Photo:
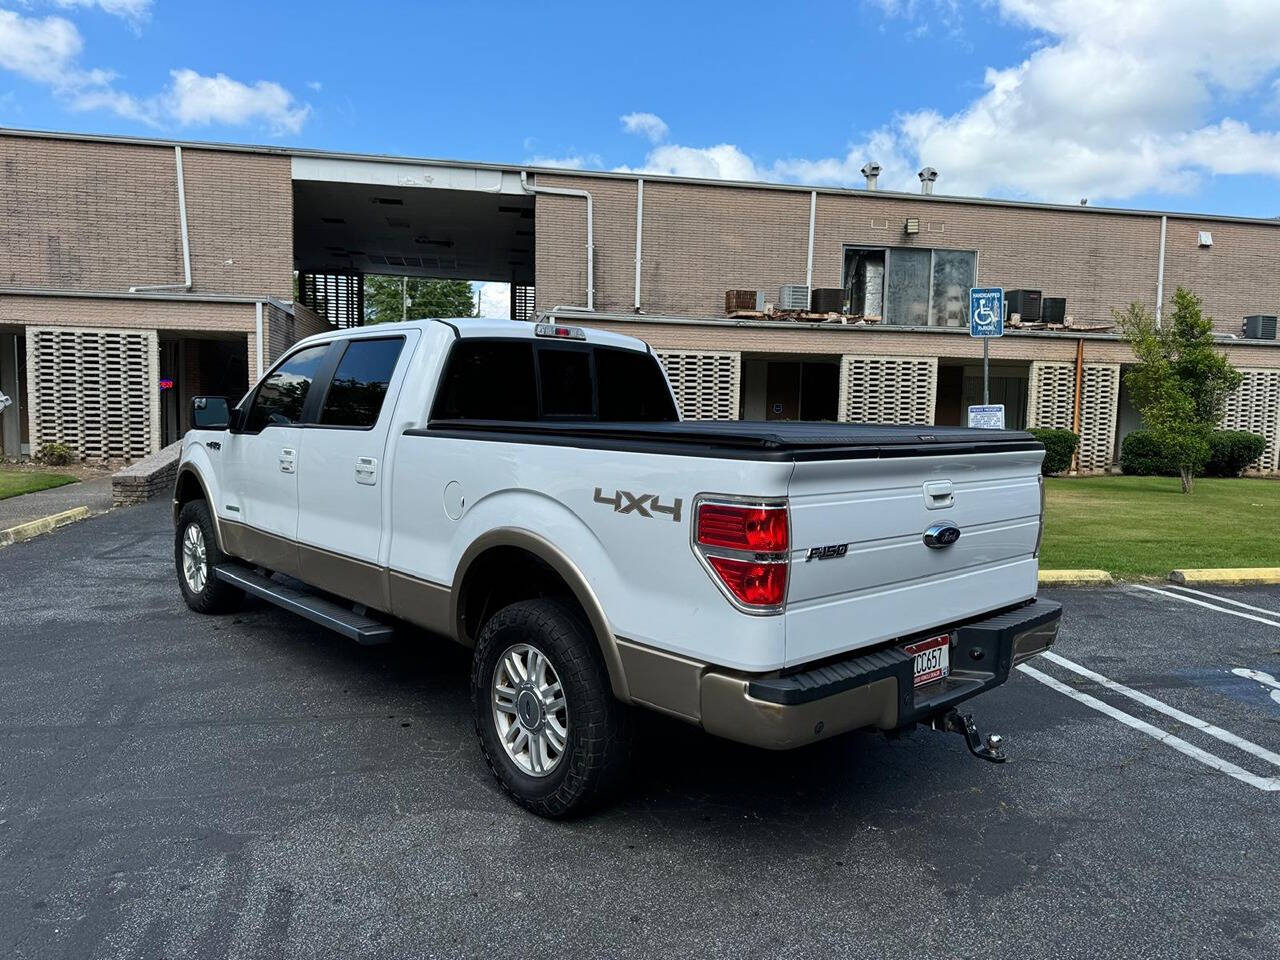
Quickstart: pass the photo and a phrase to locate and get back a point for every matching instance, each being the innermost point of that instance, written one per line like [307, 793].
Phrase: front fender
[197, 462]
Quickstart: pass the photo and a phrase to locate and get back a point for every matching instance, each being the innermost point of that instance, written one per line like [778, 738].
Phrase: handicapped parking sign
[986, 312]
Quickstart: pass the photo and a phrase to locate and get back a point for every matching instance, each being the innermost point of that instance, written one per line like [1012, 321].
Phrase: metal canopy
[416, 231]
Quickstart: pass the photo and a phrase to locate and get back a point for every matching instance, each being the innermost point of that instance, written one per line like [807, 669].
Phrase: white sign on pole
[987, 416]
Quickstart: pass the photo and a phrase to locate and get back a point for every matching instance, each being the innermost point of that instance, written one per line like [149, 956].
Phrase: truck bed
[746, 439]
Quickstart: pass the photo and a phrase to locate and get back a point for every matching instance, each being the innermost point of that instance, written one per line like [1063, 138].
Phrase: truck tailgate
[861, 571]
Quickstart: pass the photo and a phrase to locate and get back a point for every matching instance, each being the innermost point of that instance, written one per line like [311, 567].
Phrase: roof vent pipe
[872, 172]
[927, 176]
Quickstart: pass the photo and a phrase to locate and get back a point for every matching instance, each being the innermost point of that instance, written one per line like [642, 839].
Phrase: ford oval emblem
[941, 535]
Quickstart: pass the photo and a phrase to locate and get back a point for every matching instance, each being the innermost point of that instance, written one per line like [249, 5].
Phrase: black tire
[213, 596]
[598, 741]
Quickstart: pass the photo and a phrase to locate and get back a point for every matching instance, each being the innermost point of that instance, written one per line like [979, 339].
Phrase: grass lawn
[14, 482]
[1136, 526]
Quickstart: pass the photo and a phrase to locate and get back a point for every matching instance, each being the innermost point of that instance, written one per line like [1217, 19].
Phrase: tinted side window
[631, 387]
[360, 383]
[280, 398]
[564, 377]
[488, 380]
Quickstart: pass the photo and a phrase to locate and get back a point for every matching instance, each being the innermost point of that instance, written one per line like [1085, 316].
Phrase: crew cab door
[342, 468]
[260, 483]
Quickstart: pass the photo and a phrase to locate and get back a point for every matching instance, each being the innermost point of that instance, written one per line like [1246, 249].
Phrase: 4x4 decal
[624, 501]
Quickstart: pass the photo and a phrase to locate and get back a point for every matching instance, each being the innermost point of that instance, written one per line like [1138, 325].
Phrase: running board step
[358, 627]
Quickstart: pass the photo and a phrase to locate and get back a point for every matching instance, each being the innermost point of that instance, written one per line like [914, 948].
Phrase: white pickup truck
[529, 491]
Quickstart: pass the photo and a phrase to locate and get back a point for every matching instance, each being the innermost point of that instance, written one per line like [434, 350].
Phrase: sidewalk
[94, 494]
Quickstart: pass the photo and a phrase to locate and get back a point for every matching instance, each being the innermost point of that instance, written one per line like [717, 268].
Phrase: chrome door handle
[366, 471]
[288, 460]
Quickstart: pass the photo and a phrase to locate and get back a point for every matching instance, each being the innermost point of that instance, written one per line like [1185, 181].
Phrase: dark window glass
[565, 379]
[360, 383]
[279, 400]
[488, 380]
[631, 387]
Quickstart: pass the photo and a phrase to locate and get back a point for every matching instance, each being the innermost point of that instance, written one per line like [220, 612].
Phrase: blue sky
[1154, 103]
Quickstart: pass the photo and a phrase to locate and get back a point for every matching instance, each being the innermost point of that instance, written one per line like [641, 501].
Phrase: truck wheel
[549, 726]
[195, 554]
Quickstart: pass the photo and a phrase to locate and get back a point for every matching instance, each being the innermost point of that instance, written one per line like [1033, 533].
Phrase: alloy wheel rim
[195, 566]
[529, 710]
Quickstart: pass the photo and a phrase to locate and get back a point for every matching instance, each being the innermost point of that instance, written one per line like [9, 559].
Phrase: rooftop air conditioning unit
[1259, 327]
[793, 296]
[1025, 303]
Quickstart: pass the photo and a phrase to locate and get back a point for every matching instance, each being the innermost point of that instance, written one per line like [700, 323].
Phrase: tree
[384, 298]
[1181, 383]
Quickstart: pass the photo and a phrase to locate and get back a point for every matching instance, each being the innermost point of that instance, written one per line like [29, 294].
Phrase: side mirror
[210, 413]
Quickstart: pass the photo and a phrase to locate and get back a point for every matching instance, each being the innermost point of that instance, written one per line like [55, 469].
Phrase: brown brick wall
[700, 240]
[882, 342]
[180, 316]
[104, 217]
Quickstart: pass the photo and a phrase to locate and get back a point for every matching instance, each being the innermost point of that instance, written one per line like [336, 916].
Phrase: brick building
[122, 294]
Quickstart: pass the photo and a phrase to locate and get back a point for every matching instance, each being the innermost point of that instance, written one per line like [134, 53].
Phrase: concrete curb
[34, 528]
[1227, 575]
[1073, 578]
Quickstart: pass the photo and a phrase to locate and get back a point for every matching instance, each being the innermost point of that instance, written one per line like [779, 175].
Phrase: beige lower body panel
[357, 580]
[718, 701]
[421, 602]
[276, 553]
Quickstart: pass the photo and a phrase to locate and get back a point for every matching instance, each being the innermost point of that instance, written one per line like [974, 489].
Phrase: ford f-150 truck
[530, 491]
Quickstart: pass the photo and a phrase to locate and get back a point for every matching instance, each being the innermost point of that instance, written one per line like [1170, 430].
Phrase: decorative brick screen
[888, 389]
[1256, 407]
[1099, 403]
[706, 384]
[1051, 404]
[97, 391]
[1051, 395]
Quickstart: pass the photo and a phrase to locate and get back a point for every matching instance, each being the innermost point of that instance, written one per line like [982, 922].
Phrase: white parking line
[1226, 736]
[1201, 603]
[1268, 784]
[1234, 603]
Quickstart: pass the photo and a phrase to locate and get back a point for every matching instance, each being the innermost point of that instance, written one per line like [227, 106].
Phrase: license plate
[932, 658]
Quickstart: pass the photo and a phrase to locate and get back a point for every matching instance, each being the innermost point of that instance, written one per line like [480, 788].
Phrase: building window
[910, 286]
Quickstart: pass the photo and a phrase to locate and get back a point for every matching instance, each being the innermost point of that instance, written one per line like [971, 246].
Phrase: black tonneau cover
[745, 439]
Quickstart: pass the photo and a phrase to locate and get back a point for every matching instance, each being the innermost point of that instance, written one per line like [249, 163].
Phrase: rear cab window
[520, 380]
[360, 382]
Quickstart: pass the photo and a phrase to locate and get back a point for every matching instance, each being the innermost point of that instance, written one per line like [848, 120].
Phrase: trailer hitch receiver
[953, 721]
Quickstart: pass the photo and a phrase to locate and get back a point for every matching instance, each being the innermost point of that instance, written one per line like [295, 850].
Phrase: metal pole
[404, 298]
[986, 360]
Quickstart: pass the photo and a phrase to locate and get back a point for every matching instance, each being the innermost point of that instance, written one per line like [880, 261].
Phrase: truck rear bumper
[873, 689]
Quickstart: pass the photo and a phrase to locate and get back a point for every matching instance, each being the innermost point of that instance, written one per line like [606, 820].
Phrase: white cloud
[721, 162]
[494, 299]
[576, 161]
[315, 85]
[47, 50]
[1119, 99]
[44, 49]
[195, 100]
[646, 125]
[135, 11]
[1115, 99]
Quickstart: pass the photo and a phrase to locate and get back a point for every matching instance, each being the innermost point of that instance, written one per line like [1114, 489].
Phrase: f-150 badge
[645, 504]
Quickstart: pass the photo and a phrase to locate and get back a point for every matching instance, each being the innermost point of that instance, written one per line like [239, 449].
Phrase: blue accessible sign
[986, 312]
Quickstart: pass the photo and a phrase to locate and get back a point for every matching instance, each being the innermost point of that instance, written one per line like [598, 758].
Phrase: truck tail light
[745, 548]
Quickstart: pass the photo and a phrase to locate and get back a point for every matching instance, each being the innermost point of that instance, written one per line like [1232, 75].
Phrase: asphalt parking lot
[252, 786]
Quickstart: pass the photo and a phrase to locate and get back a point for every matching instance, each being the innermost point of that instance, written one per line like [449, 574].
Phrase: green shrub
[1142, 455]
[56, 455]
[1231, 451]
[1059, 446]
